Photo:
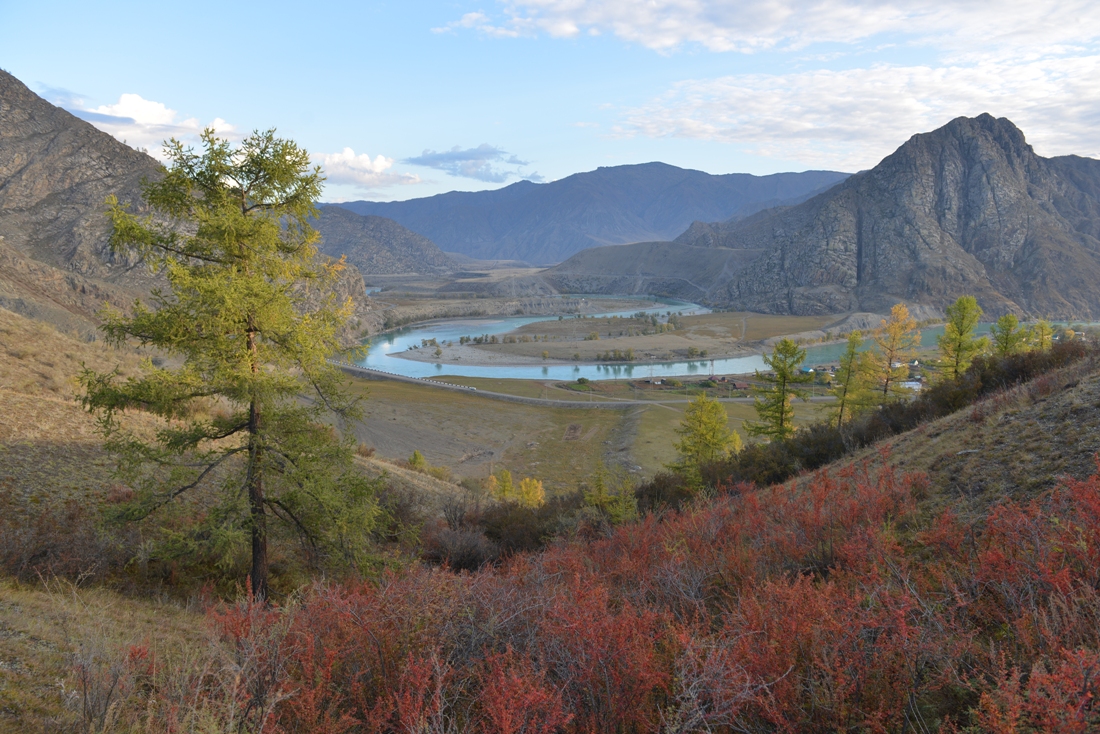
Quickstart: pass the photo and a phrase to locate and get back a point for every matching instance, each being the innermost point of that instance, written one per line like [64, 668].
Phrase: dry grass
[471, 434]
[1013, 444]
[46, 630]
[37, 359]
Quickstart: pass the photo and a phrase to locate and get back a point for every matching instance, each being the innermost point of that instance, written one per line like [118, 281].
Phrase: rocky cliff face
[966, 209]
[377, 245]
[55, 172]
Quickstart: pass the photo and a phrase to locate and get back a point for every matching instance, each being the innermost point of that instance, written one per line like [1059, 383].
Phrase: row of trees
[865, 379]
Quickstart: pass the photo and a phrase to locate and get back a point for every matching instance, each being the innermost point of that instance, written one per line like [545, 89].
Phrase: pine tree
[1042, 335]
[958, 345]
[705, 435]
[531, 492]
[773, 403]
[1008, 337]
[896, 341]
[245, 408]
[503, 487]
[612, 494]
[850, 385]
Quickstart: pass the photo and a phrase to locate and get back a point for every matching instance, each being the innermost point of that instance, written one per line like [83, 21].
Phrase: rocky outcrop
[377, 245]
[55, 172]
[966, 209]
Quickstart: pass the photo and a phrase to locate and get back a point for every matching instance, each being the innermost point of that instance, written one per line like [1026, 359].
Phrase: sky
[399, 100]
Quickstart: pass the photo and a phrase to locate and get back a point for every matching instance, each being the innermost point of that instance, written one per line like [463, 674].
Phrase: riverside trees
[958, 345]
[230, 234]
[705, 435]
[896, 341]
[773, 404]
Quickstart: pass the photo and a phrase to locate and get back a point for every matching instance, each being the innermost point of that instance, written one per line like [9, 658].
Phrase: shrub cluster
[819, 444]
[822, 605]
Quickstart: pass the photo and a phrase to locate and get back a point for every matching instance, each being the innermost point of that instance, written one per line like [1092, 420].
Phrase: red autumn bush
[826, 604]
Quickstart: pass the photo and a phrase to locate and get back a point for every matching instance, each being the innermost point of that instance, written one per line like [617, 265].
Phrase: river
[383, 350]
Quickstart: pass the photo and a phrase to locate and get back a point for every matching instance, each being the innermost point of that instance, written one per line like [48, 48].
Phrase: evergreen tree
[773, 402]
[896, 342]
[958, 345]
[850, 384]
[612, 494]
[417, 462]
[531, 492]
[1008, 337]
[1042, 335]
[502, 486]
[230, 234]
[705, 435]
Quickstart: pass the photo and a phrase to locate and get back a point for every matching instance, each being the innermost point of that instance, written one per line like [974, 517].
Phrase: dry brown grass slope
[1018, 443]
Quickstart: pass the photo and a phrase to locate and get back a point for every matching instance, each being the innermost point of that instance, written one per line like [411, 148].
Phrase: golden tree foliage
[896, 341]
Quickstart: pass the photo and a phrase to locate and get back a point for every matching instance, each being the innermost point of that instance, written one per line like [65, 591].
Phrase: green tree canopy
[850, 386]
[773, 403]
[230, 234]
[705, 434]
[1042, 335]
[1008, 336]
[958, 345]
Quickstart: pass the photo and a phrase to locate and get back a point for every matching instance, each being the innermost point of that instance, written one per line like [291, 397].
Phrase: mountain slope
[657, 268]
[377, 245]
[968, 208]
[547, 223]
[55, 172]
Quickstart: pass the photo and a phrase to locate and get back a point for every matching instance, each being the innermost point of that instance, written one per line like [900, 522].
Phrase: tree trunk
[258, 575]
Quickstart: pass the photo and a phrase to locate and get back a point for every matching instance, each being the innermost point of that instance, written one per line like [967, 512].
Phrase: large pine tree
[245, 404]
[780, 386]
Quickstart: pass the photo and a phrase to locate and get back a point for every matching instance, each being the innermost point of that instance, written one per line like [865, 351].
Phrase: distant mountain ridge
[968, 208]
[377, 245]
[547, 223]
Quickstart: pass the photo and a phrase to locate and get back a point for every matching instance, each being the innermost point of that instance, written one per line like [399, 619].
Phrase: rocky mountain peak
[967, 208]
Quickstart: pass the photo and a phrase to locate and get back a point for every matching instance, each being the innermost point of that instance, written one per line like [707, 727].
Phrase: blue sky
[399, 99]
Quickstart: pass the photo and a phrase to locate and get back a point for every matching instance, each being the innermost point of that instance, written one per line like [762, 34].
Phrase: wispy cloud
[361, 170]
[139, 122]
[483, 163]
[754, 25]
[1034, 61]
[851, 119]
[481, 22]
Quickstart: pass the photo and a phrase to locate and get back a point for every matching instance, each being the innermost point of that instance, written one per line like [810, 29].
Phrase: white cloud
[482, 23]
[145, 124]
[476, 163]
[751, 25]
[851, 119]
[361, 170]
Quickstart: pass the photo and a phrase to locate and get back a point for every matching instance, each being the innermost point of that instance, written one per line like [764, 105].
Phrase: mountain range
[969, 208]
[547, 223]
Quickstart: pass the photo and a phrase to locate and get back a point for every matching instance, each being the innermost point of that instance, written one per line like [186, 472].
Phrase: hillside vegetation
[942, 576]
